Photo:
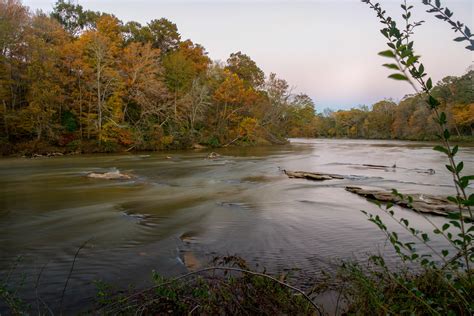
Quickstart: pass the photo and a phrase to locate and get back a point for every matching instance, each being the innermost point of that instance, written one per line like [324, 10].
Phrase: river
[181, 209]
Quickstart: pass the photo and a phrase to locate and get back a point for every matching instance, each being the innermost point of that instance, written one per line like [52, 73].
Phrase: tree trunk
[5, 119]
[99, 104]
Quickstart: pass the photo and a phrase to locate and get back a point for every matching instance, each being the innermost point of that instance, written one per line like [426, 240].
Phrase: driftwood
[423, 203]
[311, 175]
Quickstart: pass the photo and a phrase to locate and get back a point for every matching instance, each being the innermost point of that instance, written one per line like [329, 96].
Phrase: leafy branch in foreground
[454, 271]
[445, 14]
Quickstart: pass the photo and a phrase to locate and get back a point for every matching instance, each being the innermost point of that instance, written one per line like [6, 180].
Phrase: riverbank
[37, 149]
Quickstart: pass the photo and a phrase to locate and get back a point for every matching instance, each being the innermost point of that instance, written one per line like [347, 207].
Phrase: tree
[197, 55]
[233, 100]
[164, 35]
[101, 53]
[179, 74]
[73, 17]
[144, 91]
[378, 123]
[247, 70]
[45, 95]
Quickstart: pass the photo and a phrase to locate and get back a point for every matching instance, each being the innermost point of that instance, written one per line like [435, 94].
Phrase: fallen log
[423, 203]
[311, 175]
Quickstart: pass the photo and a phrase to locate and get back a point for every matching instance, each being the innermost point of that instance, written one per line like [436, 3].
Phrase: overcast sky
[325, 48]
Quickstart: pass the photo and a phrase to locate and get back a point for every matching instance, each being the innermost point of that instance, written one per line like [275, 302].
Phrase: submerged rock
[111, 175]
[423, 203]
[312, 175]
[213, 155]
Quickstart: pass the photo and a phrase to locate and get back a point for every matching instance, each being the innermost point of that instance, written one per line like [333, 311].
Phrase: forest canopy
[78, 77]
[80, 80]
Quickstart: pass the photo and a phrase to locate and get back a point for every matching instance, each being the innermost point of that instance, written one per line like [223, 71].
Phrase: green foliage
[374, 289]
[9, 291]
[243, 66]
[69, 122]
[445, 282]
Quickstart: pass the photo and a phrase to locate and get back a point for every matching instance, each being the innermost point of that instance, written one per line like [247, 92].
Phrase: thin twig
[36, 286]
[69, 275]
[191, 311]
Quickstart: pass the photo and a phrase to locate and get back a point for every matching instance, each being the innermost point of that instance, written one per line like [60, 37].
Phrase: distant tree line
[409, 119]
[84, 80]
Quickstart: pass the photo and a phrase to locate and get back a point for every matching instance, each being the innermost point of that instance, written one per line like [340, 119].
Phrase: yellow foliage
[248, 129]
[167, 140]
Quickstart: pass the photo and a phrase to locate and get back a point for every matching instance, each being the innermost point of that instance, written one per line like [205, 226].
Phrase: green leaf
[455, 150]
[398, 77]
[391, 66]
[460, 39]
[387, 53]
[446, 134]
[429, 84]
[468, 178]
[442, 118]
[451, 169]
[411, 60]
[455, 223]
[445, 252]
[445, 226]
[453, 199]
[433, 102]
[440, 149]
[421, 69]
[459, 167]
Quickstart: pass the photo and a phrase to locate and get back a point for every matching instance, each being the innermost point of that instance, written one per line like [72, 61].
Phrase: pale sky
[327, 49]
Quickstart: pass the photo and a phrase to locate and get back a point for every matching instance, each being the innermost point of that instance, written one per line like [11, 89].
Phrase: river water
[180, 210]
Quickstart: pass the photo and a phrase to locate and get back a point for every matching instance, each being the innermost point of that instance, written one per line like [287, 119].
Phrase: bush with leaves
[443, 281]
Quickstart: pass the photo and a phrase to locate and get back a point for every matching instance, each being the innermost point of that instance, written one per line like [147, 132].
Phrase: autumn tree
[378, 123]
[14, 25]
[101, 49]
[247, 70]
[45, 93]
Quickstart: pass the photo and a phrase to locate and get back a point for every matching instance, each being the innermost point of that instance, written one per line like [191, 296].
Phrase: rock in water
[312, 175]
[213, 155]
[111, 175]
[423, 203]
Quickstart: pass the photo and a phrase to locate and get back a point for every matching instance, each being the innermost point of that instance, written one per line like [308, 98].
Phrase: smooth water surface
[181, 210]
